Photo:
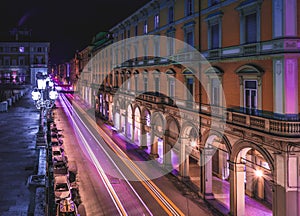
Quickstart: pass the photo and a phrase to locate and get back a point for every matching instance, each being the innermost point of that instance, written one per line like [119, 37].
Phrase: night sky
[67, 25]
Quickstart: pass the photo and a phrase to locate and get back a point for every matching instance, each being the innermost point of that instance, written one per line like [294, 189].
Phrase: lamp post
[44, 96]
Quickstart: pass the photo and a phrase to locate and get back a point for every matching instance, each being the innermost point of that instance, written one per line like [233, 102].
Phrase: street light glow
[259, 173]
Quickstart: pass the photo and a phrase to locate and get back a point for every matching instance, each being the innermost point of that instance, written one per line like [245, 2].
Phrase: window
[6, 61]
[190, 87]
[189, 34]
[122, 79]
[215, 92]
[250, 28]
[250, 94]
[190, 38]
[170, 41]
[215, 36]
[171, 15]
[145, 84]
[189, 7]
[156, 21]
[172, 88]
[250, 21]
[214, 85]
[136, 81]
[214, 24]
[14, 62]
[128, 81]
[250, 86]
[145, 27]
[136, 30]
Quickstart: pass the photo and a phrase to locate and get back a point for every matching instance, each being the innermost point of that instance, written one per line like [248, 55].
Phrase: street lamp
[44, 96]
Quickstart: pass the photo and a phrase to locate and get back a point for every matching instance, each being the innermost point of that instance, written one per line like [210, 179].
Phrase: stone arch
[158, 123]
[249, 68]
[173, 128]
[238, 173]
[137, 125]
[171, 71]
[214, 70]
[129, 121]
[242, 144]
[223, 137]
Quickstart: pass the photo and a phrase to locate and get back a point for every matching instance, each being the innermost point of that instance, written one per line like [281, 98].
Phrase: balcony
[281, 45]
[271, 123]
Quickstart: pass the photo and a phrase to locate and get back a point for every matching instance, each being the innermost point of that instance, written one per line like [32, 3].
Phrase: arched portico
[216, 153]
[157, 136]
[189, 153]
[251, 168]
[146, 130]
[137, 126]
[172, 145]
[116, 114]
[129, 123]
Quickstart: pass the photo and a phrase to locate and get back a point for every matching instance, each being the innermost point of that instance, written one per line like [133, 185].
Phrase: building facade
[21, 58]
[228, 127]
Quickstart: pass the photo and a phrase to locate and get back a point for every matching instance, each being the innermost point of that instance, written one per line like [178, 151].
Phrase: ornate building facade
[228, 127]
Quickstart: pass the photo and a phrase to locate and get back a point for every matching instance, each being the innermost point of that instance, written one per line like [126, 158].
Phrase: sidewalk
[18, 156]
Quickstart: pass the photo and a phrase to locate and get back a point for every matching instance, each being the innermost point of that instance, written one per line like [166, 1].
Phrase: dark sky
[67, 25]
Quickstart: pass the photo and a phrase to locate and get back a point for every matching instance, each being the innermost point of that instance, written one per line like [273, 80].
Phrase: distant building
[21, 58]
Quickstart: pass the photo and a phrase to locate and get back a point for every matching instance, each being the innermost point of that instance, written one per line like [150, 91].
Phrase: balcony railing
[289, 127]
[265, 47]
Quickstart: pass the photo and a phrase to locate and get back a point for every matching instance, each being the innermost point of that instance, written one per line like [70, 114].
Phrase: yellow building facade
[218, 105]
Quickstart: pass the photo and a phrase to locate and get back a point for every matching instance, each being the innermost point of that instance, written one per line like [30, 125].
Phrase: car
[62, 189]
[57, 153]
[60, 167]
[67, 208]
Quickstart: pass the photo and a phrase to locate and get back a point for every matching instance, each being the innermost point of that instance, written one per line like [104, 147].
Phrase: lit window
[145, 27]
[156, 21]
[21, 49]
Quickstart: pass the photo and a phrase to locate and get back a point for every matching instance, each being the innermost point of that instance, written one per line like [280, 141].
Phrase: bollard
[3, 106]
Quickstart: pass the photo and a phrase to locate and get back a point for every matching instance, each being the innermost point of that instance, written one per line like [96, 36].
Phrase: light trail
[157, 194]
[101, 172]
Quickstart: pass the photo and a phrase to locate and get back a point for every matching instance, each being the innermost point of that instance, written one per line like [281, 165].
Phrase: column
[167, 156]
[286, 183]
[132, 127]
[208, 153]
[237, 189]
[154, 148]
[184, 160]
[143, 133]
